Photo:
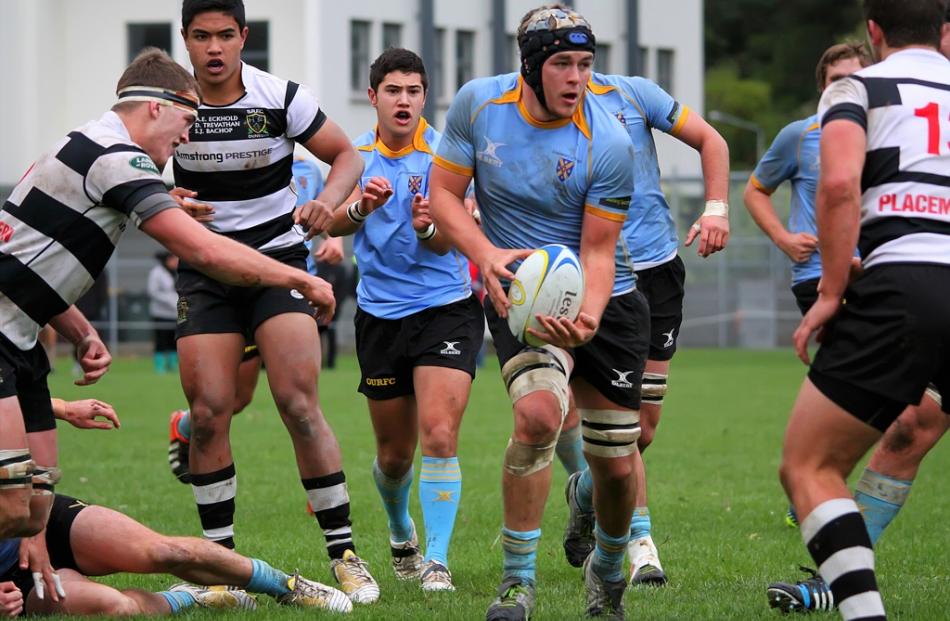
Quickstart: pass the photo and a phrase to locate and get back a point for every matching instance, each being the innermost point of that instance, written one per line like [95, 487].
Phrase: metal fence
[736, 298]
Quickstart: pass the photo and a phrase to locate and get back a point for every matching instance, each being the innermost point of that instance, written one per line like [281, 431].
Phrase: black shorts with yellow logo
[389, 349]
[207, 306]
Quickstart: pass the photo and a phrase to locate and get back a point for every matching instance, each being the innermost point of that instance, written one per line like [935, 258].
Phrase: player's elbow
[838, 188]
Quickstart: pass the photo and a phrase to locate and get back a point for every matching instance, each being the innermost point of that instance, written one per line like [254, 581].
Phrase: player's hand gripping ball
[550, 282]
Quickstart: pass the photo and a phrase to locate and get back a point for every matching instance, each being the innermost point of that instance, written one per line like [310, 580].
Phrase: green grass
[716, 503]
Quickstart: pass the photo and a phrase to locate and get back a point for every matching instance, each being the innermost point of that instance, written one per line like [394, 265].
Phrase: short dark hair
[191, 8]
[908, 22]
[397, 59]
[840, 51]
[153, 67]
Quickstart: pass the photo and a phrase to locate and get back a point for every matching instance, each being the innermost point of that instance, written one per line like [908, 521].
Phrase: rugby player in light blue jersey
[418, 326]
[650, 240]
[552, 165]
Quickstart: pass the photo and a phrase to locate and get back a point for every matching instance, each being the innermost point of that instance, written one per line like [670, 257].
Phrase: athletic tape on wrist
[716, 207]
[354, 214]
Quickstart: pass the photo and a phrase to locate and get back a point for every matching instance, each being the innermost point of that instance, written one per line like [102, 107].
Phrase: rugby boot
[645, 565]
[515, 601]
[803, 596]
[604, 599]
[407, 557]
[178, 449]
[352, 573]
[436, 577]
[217, 596]
[309, 594]
[579, 533]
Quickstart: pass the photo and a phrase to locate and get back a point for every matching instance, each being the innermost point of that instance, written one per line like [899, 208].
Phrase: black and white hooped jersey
[63, 219]
[239, 159]
[903, 103]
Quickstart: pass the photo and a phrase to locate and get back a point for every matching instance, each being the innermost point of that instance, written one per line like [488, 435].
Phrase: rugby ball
[550, 282]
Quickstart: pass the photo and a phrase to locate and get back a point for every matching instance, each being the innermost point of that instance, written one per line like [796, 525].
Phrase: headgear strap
[179, 99]
[548, 32]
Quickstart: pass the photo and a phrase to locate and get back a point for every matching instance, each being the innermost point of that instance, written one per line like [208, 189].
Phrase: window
[664, 70]
[392, 36]
[256, 50]
[464, 57]
[359, 54]
[602, 58]
[141, 36]
[438, 66]
[643, 61]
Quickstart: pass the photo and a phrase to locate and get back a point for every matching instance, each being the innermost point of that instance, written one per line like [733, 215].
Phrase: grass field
[715, 499]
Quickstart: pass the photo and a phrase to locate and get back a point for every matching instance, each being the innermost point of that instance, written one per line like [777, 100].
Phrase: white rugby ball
[550, 282]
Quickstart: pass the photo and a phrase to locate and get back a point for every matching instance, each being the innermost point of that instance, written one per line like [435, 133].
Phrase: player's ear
[372, 96]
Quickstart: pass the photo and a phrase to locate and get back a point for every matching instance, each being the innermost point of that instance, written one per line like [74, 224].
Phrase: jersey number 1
[931, 112]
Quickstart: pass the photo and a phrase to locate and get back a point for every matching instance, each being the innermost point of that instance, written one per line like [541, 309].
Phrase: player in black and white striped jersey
[884, 186]
[238, 167]
[57, 231]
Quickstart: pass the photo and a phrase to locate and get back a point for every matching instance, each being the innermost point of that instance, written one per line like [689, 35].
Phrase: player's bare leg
[290, 348]
[16, 470]
[442, 396]
[92, 598]
[208, 365]
[886, 481]
[822, 444]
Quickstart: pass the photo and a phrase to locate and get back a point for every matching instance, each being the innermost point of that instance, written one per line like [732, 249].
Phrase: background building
[62, 58]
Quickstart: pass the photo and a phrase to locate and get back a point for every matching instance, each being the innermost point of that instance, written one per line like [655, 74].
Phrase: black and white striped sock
[214, 495]
[330, 501]
[837, 539]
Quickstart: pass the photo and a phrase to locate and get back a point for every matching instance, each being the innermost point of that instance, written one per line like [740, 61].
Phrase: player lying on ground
[85, 540]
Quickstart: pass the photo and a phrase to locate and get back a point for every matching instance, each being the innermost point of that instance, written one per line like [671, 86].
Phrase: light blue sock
[395, 496]
[184, 425]
[585, 491]
[440, 487]
[570, 450]
[521, 553]
[607, 561]
[879, 498]
[265, 579]
[640, 523]
[178, 600]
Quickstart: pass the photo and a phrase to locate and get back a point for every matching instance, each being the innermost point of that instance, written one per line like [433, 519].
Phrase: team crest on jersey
[256, 122]
[564, 168]
[621, 117]
[144, 162]
[415, 184]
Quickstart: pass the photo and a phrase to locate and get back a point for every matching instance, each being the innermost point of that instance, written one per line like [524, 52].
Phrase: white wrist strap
[716, 207]
[427, 233]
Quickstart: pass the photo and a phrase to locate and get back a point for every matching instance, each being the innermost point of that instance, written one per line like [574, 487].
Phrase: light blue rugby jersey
[308, 183]
[399, 276]
[649, 233]
[534, 180]
[793, 156]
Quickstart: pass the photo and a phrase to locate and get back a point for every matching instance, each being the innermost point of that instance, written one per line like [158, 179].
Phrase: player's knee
[207, 419]
[439, 438]
[300, 414]
[537, 418]
[647, 434]
[170, 554]
[610, 433]
[16, 481]
[119, 605]
[901, 435]
[394, 461]
[242, 400]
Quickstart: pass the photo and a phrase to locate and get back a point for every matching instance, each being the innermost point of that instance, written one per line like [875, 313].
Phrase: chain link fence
[736, 298]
